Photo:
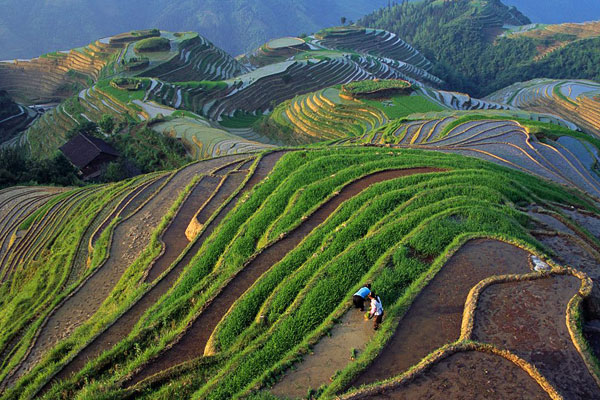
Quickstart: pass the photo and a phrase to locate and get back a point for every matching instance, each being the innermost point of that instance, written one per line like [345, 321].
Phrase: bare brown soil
[192, 343]
[331, 354]
[435, 317]
[528, 318]
[130, 203]
[80, 263]
[121, 328]
[570, 252]
[174, 239]
[469, 375]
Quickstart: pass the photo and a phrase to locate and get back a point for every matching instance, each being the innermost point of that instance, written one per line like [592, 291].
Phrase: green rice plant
[125, 292]
[389, 233]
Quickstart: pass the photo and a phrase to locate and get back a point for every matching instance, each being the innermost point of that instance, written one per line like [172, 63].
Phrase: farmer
[359, 297]
[376, 310]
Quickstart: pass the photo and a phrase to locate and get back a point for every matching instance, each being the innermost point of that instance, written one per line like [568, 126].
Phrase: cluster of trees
[468, 55]
[149, 150]
[16, 168]
[142, 149]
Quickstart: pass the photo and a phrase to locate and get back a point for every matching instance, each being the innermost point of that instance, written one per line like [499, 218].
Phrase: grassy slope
[403, 106]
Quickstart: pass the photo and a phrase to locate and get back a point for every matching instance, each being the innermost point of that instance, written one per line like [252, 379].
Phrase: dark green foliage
[107, 123]
[17, 168]
[149, 150]
[469, 57]
[115, 171]
[153, 44]
[86, 128]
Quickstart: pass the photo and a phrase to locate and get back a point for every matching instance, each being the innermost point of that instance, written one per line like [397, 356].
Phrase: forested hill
[465, 38]
[234, 25]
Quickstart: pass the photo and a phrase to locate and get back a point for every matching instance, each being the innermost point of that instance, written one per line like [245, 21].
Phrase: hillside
[268, 238]
[467, 41]
[56, 76]
[236, 26]
[13, 117]
[205, 231]
[207, 113]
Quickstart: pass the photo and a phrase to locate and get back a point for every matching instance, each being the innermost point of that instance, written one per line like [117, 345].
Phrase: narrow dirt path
[130, 238]
[332, 353]
[435, 317]
[528, 319]
[121, 328]
[192, 344]
[468, 376]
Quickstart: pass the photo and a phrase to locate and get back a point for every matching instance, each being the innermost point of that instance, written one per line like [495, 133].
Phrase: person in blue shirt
[359, 297]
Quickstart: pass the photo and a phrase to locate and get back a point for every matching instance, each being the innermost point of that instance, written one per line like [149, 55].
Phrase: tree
[115, 171]
[343, 20]
[87, 128]
[107, 123]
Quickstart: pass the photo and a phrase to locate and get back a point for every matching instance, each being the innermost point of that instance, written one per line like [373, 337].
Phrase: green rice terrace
[265, 191]
[239, 280]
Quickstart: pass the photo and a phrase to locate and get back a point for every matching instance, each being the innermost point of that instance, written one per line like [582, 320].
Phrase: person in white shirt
[376, 310]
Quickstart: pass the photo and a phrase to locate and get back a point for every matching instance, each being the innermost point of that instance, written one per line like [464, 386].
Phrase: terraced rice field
[203, 141]
[198, 77]
[517, 338]
[461, 101]
[274, 51]
[505, 142]
[324, 115]
[371, 41]
[555, 37]
[272, 84]
[240, 267]
[44, 79]
[195, 59]
[232, 277]
[573, 100]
